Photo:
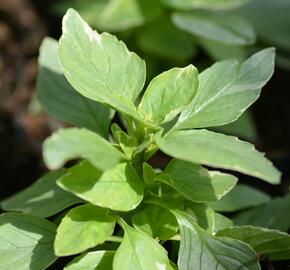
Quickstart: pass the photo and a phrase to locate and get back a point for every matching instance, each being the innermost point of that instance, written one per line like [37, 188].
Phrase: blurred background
[166, 33]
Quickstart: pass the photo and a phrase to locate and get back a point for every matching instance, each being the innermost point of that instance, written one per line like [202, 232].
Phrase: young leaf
[71, 143]
[60, 100]
[43, 198]
[138, 251]
[228, 85]
[201, 251]
[203, 4]
[99, 66]
[95, 260]
[156, 222]
[168, 94]
[278, 209]
[227, 29]
[148, 173]
[208, 219]
[26, 242]
[119, 189]
[217, 150]
[128, 143]
[83, 227]
[272, 243]
[196, 183]
[240, 197]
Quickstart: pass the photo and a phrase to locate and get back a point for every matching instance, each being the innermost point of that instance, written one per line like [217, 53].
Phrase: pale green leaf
[241, 197]
[60, 100]
[82, 228]
[217, 150]
[127, 143]
[208, 219]
[196, 183]
[138, 251]
[119, 188]
[120, 15]
[204, 4]
[274, 244]
[72, 143]
[156, 221]
[148, 173]
[168, 94]
[95, 260]
[156, 39]
[26, 242]
[99, 66]
[230, 86]
[201, 251]
[227, 29]
[273, 215]
[43, 198]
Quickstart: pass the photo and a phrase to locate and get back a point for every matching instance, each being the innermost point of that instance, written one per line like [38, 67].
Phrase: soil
[23, 24]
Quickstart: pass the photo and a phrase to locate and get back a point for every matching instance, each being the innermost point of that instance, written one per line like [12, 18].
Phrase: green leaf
[126, 142]
[228, 85]
[227, 29]
[138, 251]
[119, 15]
[218, 150]
[83, 227]
[99, 66]
[241, 197]
[156, 39]
[60, 100]
[196, 183]
[258, 13]
[156, 221]
[43, 198]
[168, 94]
[95, 260]
[26, 242]
[119, 189]
[72, 143]
[203, 4]
[148, 173]
[201, 251]
[208, 219]
[273, 215]
[272, 243]
[244, 127]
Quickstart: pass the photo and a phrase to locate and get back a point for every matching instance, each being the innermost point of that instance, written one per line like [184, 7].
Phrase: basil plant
[110, 208]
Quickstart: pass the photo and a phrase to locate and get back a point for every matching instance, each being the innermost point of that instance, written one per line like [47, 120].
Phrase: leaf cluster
[119, 210]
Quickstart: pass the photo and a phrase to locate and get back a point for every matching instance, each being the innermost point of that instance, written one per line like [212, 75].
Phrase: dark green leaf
[272, 243]
[241, 197]
[43, 198]
[274, 215]
[60, 100]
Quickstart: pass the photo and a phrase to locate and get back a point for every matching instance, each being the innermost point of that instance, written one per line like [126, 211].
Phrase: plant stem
[113, 238]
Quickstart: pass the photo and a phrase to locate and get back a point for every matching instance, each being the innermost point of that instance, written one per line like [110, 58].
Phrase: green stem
[116, 239]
